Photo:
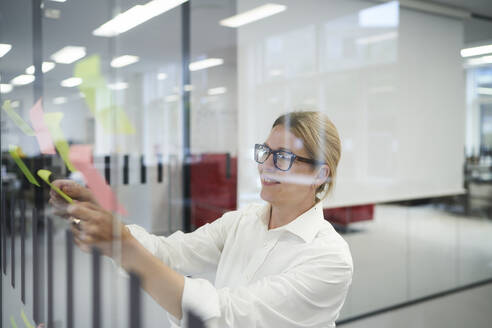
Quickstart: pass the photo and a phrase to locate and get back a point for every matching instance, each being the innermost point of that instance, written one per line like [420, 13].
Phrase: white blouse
[296, 275]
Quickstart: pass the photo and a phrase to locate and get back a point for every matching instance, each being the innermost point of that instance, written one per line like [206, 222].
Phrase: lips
[266, 181]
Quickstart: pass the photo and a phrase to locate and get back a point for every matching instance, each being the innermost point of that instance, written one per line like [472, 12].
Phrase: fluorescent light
[4, 48]
[45, 67]
[476, 51]
[5, 88]
[118, 86]
[71, 82]
[135, 16]
[479, 60]
[206, 63]
[253, 15]
[485, 91]
[22, 79]
[125, 60]
[172, 98]
[58, 0]
[161, 76]
[59, 100]
[376, 38]
[68, 54]
[217, 91]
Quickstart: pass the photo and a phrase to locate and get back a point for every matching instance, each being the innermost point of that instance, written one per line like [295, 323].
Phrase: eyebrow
[280, 148]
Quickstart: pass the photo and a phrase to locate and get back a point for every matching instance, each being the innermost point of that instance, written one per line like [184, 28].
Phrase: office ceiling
[158, 41]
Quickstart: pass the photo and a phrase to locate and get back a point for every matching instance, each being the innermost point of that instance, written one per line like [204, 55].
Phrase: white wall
[394, 87]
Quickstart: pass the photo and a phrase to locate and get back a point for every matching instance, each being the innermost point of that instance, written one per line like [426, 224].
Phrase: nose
[268, 164]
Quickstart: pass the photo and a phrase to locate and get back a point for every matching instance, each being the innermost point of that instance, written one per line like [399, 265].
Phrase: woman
[277, 265]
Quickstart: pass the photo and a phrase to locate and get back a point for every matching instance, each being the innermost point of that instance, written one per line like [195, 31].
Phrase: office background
[166, 99]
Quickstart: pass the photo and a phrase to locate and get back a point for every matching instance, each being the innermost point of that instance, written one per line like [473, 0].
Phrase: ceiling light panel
[68, 54]
[253, 15]
[22, 79]
[4, 48]
[206, 63]
[124, 60]
[135, 16]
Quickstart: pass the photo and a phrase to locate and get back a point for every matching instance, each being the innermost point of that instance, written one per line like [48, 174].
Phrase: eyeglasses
[282, 159]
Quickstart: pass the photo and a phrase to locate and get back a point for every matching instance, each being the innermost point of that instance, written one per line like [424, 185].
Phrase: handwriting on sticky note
[41, 130]
[45, 176]
[21, 124]
[15, 153]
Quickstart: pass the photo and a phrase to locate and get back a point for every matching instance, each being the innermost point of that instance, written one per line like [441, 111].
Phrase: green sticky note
[53, 120]
[14, 152]
[45, 176]
[21, 124]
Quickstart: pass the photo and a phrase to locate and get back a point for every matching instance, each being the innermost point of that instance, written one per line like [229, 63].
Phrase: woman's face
[293, 187]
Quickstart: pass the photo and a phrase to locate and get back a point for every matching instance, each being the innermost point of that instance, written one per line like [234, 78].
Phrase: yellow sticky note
[15, 152]
[21, 124]
[117, 116]
[97, 96]
[53, 120]
[26, 321]
[45, 176]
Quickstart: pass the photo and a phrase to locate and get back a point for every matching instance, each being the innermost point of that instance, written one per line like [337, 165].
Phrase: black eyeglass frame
[292, 158]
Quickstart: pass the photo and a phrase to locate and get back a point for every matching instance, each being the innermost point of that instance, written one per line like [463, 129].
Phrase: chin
[267, 196]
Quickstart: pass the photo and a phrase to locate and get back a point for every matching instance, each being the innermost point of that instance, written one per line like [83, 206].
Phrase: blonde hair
[320, 139]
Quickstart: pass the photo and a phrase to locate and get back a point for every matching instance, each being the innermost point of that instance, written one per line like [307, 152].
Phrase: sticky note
[97, 96]
[45, 176]
[41, 130]
[12, 322]
[21, 124]
[80, 156]
[15, 153]
[26, 321]
[52, 121]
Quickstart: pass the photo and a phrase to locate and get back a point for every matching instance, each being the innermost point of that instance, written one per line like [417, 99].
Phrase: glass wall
[155, 106]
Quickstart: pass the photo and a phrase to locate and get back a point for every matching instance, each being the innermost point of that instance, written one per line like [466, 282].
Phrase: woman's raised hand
[97, 227]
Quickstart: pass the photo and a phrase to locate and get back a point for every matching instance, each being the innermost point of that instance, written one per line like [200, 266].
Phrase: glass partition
[155, 106]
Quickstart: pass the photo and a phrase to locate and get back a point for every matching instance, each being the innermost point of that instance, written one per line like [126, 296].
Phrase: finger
[74, 190]
[83, 247]
[83, 211]
[58, 207]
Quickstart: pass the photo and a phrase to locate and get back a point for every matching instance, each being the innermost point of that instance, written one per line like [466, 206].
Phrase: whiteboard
[391, 79]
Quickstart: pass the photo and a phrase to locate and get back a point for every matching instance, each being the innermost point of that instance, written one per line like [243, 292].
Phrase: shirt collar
[306, 225]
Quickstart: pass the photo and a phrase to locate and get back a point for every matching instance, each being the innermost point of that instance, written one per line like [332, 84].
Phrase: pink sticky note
[81, 158]
[41, 130]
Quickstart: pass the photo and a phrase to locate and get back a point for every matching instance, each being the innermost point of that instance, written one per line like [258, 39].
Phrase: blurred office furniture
[478, 182]
[213, 187]
[345, 215]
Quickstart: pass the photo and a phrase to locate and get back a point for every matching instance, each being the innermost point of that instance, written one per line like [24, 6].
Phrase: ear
[323, 175]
